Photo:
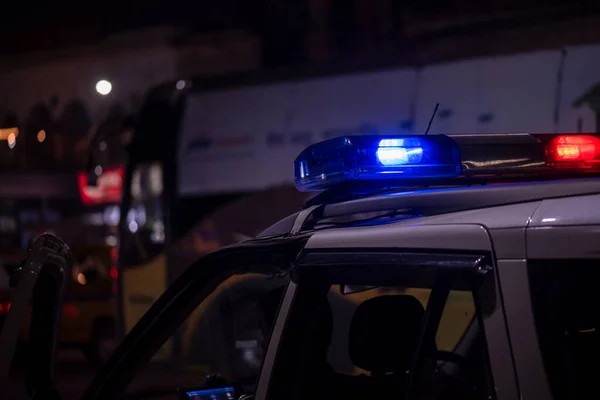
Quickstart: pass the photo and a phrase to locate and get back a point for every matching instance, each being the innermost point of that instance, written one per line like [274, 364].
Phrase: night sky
[44, 24]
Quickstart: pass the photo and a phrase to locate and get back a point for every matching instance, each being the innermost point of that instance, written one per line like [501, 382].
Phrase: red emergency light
[583, 150]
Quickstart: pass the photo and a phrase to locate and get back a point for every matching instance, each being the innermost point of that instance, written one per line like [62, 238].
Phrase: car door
[435, 244]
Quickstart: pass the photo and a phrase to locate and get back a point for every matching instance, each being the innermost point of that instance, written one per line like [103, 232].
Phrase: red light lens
[577, 148]
[581, 152]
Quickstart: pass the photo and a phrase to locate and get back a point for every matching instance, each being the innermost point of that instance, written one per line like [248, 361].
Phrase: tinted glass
[362, 345]
[566, 308]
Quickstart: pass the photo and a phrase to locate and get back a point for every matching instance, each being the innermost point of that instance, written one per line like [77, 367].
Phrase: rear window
[566, 309]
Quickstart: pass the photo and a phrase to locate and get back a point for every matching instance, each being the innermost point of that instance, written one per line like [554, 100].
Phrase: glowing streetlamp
[103, 87]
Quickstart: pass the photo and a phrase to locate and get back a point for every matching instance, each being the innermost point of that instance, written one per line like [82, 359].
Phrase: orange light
[6, 132]
[41, 136]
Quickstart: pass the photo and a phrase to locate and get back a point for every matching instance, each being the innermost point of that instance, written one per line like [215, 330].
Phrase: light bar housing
[409, 160]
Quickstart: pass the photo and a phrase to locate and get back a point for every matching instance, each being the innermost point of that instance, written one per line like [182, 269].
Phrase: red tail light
[114, 272]
[4, 307]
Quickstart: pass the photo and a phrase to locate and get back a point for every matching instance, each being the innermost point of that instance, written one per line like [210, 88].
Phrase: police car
[431, 266]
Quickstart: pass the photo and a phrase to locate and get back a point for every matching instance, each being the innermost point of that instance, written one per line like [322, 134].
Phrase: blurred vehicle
[88, 319]
[88, 316]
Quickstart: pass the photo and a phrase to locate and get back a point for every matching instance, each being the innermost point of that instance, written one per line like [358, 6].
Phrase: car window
[226, 335]
[566, 310]
[456, 319]
[362, 346]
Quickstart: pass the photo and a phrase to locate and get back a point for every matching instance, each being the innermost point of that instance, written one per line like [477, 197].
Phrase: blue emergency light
[351, 158]
[411, 159]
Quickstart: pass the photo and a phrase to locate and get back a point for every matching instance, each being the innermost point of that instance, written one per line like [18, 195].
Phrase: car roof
[513, 205]
[454, 199]
[517, 230]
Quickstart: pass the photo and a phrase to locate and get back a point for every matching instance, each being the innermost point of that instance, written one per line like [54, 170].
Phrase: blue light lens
[399, 151]
[366, 158]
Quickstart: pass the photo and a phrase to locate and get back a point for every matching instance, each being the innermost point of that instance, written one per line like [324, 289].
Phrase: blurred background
[147, 134]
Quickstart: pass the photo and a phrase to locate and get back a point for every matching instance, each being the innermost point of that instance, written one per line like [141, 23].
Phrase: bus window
[144, 236]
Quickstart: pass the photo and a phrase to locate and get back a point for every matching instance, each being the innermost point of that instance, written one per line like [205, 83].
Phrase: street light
[103, 87]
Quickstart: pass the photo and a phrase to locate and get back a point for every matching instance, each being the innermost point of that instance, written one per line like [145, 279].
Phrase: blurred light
[114, 255]
[156, 179]
[136, 184]
[12, 140]
[81, 279]
[158, 233]
[112, 215]
[103, 146]
[133, 226]
[69, 310]
[103, 87]
[131, 215]
[98, 170]
[96, 219]
[4, 308]
[111, 241]
[180, 85]
[6, 132]
[140, 215]
[41, 136]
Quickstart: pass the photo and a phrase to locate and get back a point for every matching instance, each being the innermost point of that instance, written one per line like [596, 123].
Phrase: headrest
[384, 333]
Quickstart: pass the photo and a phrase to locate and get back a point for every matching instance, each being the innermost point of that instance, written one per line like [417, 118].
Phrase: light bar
[352, 158]
[396, 161]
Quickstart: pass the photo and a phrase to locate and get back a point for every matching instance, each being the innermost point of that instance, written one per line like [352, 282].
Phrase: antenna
[437, 105]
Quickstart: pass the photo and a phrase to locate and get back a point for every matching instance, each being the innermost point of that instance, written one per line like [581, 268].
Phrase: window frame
[170, 311]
